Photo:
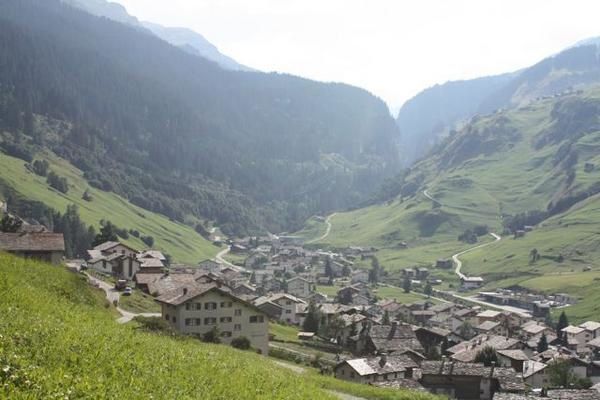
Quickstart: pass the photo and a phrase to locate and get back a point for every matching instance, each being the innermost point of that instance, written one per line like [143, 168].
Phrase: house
[48, 247]
[300, 287]
[471, 282]
[318, 298]
[375, 369]
[575, 337]
[107, 248]
[198, 309]
[467, 381]
[489, 316]
[421, 273]
[210, 266]
[394, 338]
[244, 289]
[534, 329]
[122, 266]
[288, 303]
[535, 374]
[592, 330]
[491, 328]
[444, 264]
[467, 351]
[360, 276]
[512, 359]
[431, 337]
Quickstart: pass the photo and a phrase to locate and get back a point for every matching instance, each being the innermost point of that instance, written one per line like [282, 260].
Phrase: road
[457, 261]
[113, 295]
[426, 194]
[327, 230]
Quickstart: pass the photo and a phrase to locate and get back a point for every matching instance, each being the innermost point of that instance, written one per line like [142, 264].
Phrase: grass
[313, 229]
[139, 302]
[398, 294]
[286, 333]
[237, 259]
[178, 240]
[58, 340]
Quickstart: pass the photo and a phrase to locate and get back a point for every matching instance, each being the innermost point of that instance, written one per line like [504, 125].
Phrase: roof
[153, 254]
[467, 351]
[472, 279]
[279, 296]
[488, 314]
[32, 242]
[435, 331]
[531, 367]
[488, 325]
[575, 330]
[518, 355]
[151, 263]
[394, 338]
[442, 307]
[594, 342]
[507, 377]
[381, 365]
[590, 325]
[400, 383]
[534, 328]
[106, 246]
[146, 278]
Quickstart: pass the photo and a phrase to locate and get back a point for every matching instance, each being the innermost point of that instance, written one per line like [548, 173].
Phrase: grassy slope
[58, 341]
[515, 179]
[179, 240]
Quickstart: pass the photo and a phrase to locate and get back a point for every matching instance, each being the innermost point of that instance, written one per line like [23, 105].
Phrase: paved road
[327, 231]
[457, 261]
[112, 295]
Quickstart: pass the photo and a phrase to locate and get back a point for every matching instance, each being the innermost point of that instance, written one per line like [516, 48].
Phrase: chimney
[185, 291]
[492, 369]
[383, 360]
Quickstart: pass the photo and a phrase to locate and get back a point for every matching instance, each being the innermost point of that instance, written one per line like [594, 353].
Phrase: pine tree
[386, 318]
[563, 322]
[542, 345]
[406, 285]
[428, 290]
[311, 322]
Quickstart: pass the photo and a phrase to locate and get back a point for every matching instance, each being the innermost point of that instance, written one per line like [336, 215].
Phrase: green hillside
[543, 157]
[58, 340]
[176, 239]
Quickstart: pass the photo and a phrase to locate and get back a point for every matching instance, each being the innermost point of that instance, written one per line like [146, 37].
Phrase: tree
[386, 318]
[345, 297]
[107, 234]
[41, 167]
[87, 196]
[253, 278]
[148, 240]
[9, 224]
[534, 255]
[407, 284]
[313, 317]
[428, 290]
[563, 322]
[241, 342]
[465, 330]
[59, 183]
[346, 271]
[212, 336]
[561, 375]
[487, 356]
[542, 345]
[375, 270]
[328, 268]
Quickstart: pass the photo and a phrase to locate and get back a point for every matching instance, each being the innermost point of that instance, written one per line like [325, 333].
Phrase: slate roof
[518, 355]
[375, 365]
[594, 342]
[467, 351]
[146, 278]
[590, 325]
[573, 329]
[532, 367]
[488, 325]
[106, 246]
[400, 384]
[507, 377]
[32, 242]
[389, 338]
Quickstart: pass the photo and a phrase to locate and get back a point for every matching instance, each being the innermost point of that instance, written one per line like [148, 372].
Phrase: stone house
[375, 369]
[47, 247]
[300, 287]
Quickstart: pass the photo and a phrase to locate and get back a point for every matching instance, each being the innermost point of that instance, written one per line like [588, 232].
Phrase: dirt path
[327, 230]
[457, 261]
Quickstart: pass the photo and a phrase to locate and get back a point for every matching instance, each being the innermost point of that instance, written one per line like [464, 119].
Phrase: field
[58, 340]
[178, 240]
[139, 302]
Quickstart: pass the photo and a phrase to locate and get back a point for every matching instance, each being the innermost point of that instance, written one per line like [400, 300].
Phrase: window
[225, 334]
[198, 306]
[226, 319]
[256, 319]
[210, 321]
[167, 317]
[288, 311]
[226, 304]
[351, 374]
[210, 306]
[238, 313]
[188, 306]
[288, 303]
[192, 321]
[237, 327]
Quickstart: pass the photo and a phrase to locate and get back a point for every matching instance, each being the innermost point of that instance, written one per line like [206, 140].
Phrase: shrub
[41, 167]
[148, 240]
[17, 150]
[242, 343]
[58, 182]
[211, 336]
[153, 324]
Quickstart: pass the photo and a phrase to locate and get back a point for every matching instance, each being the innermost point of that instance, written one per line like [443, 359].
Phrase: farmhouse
[200, 308]
[49, 247]
[471, 282]
[376, 369]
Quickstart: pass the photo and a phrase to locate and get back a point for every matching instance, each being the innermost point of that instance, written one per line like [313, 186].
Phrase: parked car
[121, 284]
[128, 291]
[83, 266]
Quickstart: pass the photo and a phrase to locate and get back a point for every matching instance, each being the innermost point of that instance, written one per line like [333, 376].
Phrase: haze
[392, 48]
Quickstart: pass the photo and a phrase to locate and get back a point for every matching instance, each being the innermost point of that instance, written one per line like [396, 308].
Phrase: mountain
[537, 165]
[177, 135]
[195, 44]
[188, 40]
[433, 113]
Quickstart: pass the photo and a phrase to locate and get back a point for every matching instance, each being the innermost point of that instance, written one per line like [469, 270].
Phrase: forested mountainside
[536, 165]
[186, 39]
[178, 135]
[436, 111]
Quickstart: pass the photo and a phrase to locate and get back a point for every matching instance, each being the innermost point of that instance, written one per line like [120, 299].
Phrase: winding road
[327, 230]
[458, 263]
[111, 295]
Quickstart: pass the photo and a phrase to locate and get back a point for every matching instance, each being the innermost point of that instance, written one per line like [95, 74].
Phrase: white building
[200, 308]
[300, 287]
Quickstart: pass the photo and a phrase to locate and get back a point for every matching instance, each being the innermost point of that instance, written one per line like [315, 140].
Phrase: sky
[393, 48]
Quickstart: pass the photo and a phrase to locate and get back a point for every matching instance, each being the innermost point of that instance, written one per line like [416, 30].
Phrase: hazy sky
[393, 48]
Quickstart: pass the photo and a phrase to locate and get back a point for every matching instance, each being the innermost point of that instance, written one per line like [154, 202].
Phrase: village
[438, 343]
